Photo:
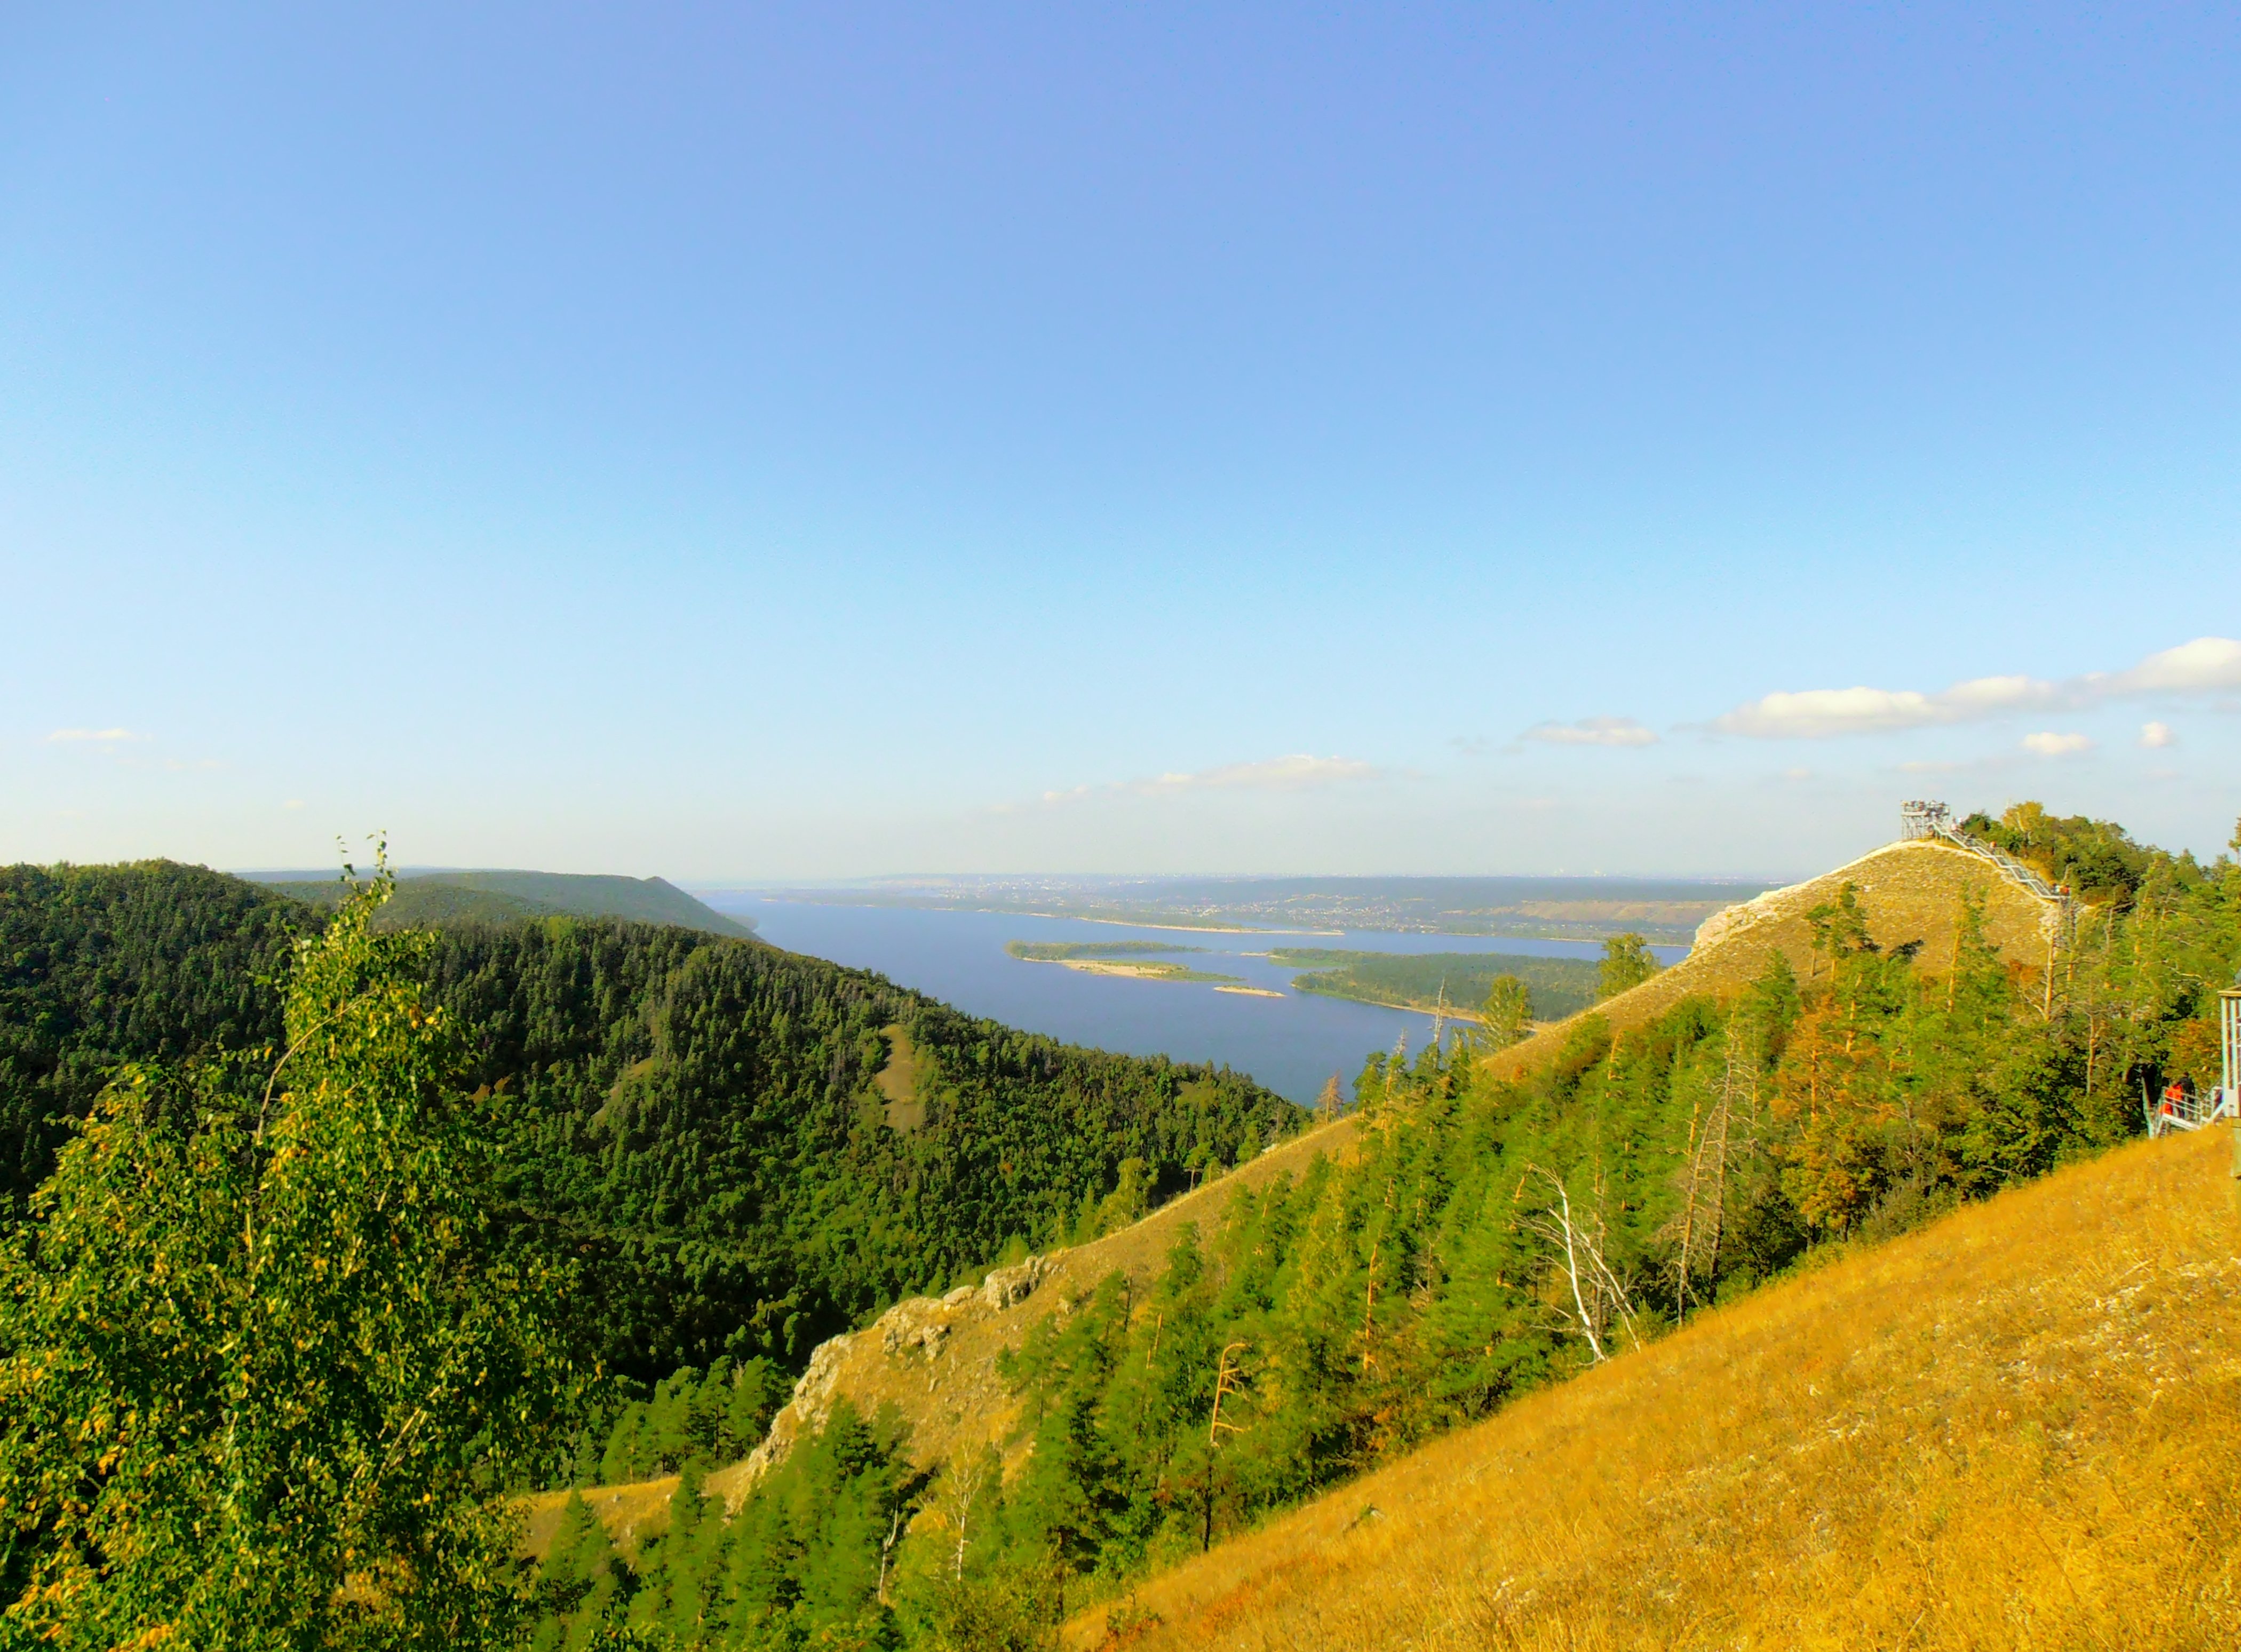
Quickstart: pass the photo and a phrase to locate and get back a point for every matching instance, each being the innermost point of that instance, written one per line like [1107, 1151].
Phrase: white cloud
[2202, 666]
[2206, 664]
[2056, 745]
[1814, 713]
[105, 736]
[1297, 772]
[1593, 731]
[2155, 736]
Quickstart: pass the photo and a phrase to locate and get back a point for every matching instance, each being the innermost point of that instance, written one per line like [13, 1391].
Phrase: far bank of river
[1291, 1041]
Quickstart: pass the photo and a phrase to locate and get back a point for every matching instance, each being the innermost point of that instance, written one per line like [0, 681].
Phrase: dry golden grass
[2020, 1427]
[1912, 892]
[631, 1513]
[897, 1080]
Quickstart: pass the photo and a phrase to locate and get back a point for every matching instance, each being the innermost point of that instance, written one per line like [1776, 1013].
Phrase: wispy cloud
[2207, 664]
[1592, 730]
[1298, 773]
[2155, 736]
[2050, 745]
[103, 736]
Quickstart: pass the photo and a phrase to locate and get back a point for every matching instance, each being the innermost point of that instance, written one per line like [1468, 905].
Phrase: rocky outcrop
[1009, 1286]
[917, 1329]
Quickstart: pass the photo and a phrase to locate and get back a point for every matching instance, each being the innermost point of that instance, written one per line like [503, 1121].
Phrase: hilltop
[437, 898]
[1914, 891]
[2013, 1427]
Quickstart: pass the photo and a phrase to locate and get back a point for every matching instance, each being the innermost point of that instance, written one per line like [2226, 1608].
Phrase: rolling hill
[938, 1359]
[2015, 1428]
[435, 897]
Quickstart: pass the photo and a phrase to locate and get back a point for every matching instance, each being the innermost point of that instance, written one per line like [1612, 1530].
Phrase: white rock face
[1729, 922]
[806, 1412]
[1009, 1286]
[919, 1324]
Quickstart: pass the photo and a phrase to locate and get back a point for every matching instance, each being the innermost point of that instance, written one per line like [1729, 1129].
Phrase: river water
[1291, 1044]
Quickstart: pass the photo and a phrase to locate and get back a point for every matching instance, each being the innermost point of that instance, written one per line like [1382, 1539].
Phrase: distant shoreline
[1131, 923]
[1453, 1014]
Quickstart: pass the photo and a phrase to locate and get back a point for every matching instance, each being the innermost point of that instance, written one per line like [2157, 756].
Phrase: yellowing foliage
[2018, 1428]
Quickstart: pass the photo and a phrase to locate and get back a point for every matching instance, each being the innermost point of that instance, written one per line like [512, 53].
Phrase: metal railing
[2180, 1111]
[1926, 818]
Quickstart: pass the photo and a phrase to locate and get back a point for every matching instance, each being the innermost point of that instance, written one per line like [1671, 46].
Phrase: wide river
[1291, 1044]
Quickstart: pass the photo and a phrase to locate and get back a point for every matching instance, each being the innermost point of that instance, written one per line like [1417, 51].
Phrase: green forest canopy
[691, 1121]
[264, 1354]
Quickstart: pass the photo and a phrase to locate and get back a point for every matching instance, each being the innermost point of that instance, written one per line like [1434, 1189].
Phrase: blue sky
[762, 442]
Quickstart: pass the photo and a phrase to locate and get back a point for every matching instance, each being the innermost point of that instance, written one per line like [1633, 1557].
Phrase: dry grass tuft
[2019, 1427]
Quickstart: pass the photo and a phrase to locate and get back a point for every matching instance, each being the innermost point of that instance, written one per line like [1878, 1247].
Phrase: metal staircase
[1926, 818]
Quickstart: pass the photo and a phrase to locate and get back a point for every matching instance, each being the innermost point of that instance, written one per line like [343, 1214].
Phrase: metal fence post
[2229, 1025]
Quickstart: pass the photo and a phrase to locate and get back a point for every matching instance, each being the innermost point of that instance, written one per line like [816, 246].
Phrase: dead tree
[1701, 1223]
[1576, 1246]
[887, 1549]
[960, 1489]
[1228, 1379]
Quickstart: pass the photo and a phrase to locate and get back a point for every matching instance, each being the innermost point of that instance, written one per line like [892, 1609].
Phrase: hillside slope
[936, 1357]
[2014, 1428]
[1913, 893]
[435, 897]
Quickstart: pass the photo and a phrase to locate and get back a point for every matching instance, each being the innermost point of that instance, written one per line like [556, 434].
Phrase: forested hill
[747, 1150]
[424, 898]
